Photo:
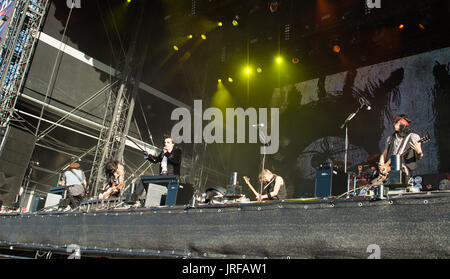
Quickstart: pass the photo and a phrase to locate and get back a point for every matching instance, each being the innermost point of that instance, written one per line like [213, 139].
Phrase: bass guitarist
[402, 142]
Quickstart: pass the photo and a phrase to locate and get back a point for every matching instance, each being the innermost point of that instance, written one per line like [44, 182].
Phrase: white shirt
[164, 164]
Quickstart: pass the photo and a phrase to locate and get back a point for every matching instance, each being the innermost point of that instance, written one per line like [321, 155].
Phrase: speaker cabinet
[328, 183]
[155, 195]
[15, 152]
[324, 180]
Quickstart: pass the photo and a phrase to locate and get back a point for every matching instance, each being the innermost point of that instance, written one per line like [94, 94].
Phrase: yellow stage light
[259, 70]
[203, 37]
[219, 23]
[189, 36]
[230, 79]
[175, 48]
[235, 22]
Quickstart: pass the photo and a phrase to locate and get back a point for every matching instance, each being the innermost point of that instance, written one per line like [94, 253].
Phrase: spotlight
[230, 79]
[259, 70]
[336, 49]
[295, 60]
[128, 1]
[421, 26]
[235, 22]
[189, 36]
[401, 26]
[203, 37]
[220, 24]
[278, 59]
[175, 48]
[219, 80]
[247, 70]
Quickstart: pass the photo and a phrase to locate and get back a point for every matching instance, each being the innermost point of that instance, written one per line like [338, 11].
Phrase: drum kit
[363, 177]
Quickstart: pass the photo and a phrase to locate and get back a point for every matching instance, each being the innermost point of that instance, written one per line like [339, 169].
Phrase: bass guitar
[247, 180]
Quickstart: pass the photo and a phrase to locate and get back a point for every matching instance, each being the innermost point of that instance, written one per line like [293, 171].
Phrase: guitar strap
[403, 145]
[268, 183]
[400, 152]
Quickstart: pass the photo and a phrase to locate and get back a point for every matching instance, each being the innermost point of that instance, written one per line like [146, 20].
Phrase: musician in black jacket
[169, 159]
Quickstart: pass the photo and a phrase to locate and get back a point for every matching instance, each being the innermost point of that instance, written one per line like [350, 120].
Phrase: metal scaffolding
[119, 110]
[110, 136]
[16, 52]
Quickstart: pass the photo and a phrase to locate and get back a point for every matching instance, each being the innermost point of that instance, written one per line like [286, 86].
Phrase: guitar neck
[251, 188]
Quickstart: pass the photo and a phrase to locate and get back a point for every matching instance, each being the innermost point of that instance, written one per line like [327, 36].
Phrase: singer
[169, 158]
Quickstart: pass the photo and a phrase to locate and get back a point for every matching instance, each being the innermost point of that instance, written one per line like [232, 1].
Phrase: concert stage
[409, 225]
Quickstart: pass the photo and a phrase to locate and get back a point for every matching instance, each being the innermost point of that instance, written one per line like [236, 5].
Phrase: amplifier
[328, 183]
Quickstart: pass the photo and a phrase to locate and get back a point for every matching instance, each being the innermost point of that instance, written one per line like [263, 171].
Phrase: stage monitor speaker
[52, 200]
[15, 152]
[156, 195]
[174, 193]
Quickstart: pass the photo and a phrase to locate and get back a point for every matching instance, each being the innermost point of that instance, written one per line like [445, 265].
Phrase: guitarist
[396, 145]
[115, 174]
[274, 188]
[75, 181]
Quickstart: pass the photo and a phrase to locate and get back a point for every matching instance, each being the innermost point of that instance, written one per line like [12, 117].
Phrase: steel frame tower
[120, 107]
[16, 53]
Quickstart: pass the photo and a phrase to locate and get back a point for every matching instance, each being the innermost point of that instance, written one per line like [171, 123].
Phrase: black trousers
[74, 201]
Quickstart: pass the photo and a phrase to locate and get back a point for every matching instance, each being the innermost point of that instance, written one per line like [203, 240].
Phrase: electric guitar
[387, 166]
[114, 189]
[247, 180]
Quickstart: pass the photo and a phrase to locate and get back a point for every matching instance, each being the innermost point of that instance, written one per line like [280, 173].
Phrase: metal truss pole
[111, 144]
[16, 52]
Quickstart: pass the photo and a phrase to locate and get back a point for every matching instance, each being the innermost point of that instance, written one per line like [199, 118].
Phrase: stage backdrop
[417, 85]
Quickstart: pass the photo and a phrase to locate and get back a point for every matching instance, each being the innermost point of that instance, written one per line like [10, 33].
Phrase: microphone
[363, 101]
[350, 117]
[258, 125]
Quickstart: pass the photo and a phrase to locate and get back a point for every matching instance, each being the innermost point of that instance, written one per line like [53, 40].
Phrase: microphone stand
[345, 125]
[263, 139]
